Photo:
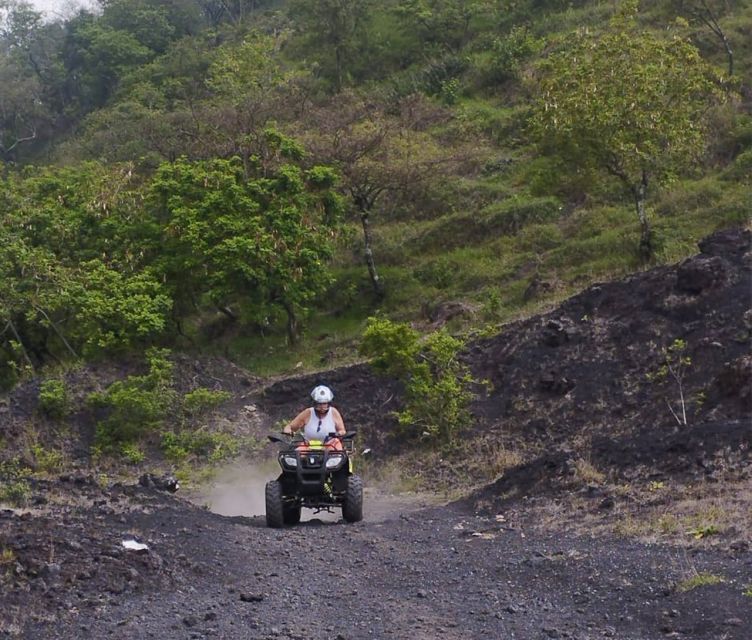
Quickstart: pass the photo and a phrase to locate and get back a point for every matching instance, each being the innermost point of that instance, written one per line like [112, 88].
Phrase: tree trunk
[57, 331]
[293, 327]
[378, 287]
[730, 54]
[20, 344]
[646, 239]
[338, 55]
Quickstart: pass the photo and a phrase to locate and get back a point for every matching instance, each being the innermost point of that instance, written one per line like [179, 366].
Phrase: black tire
[352, 507]
[291, 513]
[274, 504]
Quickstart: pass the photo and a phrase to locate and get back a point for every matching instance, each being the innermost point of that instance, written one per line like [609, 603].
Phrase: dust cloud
[238, 490]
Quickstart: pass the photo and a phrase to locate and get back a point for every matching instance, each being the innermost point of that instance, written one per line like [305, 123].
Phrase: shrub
[15, 493]
[439, 273]
[53, 399]
[132, 452]
[202, 400]
[510, 52]
[14, 486]
[137, 405]
[213, 446]
[47, 460]
[438, 387]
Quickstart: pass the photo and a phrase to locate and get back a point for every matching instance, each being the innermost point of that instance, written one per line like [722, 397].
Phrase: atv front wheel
[352, 507]
[275, 507]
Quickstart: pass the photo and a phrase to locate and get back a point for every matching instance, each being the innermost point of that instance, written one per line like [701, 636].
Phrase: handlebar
[349, 435]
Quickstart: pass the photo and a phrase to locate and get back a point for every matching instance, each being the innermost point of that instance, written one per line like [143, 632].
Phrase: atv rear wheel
[275, 507]
[352, 507]
[291, 513]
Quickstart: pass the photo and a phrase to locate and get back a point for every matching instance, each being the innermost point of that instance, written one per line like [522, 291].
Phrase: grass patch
[587, 473]
[328, 341]
[698, 580]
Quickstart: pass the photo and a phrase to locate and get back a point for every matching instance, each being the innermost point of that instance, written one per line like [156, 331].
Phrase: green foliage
[53, 399]
[334, 31]
[263, 242]
[14, 486]
[140, 408]
[15, 492]
[215, 447]
[131, 452]
[117, 310]
[701, 579]
[438, 387]
[137, 406]
[634, 105]
[673, 365]
[202, 400]
[440, 24]
[437, 273]
[510, 52]
[704, 531]
[47, 460]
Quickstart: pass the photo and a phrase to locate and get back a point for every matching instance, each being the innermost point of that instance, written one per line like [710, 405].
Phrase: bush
[46, 460]
[510, 52]
[14, 487]
[213, 446]
[439, 273]
[53, 399]
[438, 387]
[202, 400]
[137, 405]
[741, 168]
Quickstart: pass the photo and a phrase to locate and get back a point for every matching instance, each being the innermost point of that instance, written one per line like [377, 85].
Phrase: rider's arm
[298, 422]
[338, 422]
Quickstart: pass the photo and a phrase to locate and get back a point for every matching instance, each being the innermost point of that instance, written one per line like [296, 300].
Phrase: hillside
[611, 519]
[254, 180]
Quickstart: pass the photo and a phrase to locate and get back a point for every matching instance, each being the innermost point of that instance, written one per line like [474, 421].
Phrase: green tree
[444, 24]
[627, 101]
[382, 155]
[73, 267]
[250, 88]
[336, 27]
[30, 101]
[262, 242]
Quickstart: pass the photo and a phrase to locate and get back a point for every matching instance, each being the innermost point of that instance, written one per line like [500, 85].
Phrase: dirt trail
[432, 573]
[238, 490]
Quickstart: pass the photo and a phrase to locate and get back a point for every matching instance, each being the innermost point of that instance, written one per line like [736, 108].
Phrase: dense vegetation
[258, 177]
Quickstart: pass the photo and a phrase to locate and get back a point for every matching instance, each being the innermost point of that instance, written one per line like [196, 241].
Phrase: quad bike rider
[316, 466]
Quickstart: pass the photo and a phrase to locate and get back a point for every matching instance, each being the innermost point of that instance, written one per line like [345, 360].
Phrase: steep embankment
[589, 380]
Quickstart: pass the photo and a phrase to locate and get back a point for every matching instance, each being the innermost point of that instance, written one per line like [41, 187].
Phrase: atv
[316, 474]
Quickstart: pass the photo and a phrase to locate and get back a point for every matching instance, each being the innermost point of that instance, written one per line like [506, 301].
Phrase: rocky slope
[613, 521]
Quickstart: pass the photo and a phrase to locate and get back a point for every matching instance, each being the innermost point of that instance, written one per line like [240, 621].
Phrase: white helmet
[322, 394]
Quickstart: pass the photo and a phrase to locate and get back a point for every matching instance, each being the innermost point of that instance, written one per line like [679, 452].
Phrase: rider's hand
[287, 431]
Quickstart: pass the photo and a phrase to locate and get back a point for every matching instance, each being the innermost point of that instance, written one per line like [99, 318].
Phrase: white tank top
[317, 428]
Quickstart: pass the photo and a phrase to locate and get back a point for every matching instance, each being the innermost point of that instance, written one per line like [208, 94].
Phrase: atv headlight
[290, 461]
[334, 462]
